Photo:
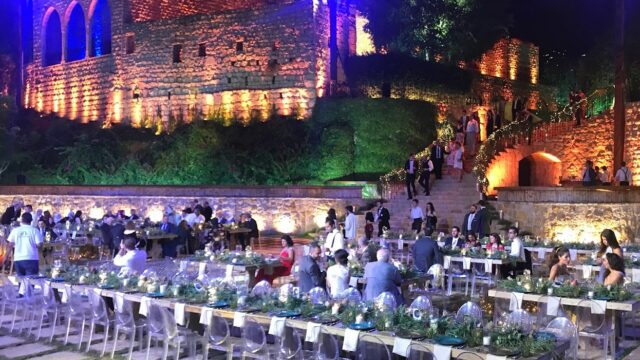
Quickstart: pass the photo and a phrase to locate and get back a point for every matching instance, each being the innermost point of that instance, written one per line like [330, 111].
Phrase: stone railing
[570, 195]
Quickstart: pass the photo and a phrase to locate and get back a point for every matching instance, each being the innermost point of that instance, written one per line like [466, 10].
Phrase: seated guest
[77, 217]
[517, 252]
[12, 213]
[614, 265]
[366, 251]
[287, 258]
[44, 230]
[425, 253]
[381, 276]
[106, 232]
[609, 244]
[455, 240]
[494, 243]
[218, 220]
[334, 240]
[169, 245]
[309, 275]
[130, 258]
[199, 218]
[558, 267]
[338, 274]
[184, 233]
[472, 241]
[251, 237]
[48, 219]
[189, 216]
[117, 234]
[174, 218]
[207, 211]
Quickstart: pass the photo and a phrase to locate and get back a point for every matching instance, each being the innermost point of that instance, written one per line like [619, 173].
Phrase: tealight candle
[550, 291]
[163, 289]
[359, 319]
[590, 294]
[486, 340]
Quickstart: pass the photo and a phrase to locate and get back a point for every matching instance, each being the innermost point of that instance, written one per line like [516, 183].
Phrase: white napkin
[495, 357]
[178, 313]
[238, 319]
[353, 281]
[553, 304]
[350, 339]
[144, 305]
[442, 352]
[574, 254]
[635, 275]
[447, 262]
[66, 293]
[542, 253]
[401, 346]
[313, 331]
[202, 268]
[276, 328]
[73, 235]
[119, 302]
[229, 271]
[97, 291]
[516, 301]
[586, 271]
[466, 263]
[488, 266]
[183, 265]
[400, 244]
[600, 308]
[206, 315]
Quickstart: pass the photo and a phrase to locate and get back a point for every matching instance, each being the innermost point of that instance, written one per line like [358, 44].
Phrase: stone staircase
[450, 198]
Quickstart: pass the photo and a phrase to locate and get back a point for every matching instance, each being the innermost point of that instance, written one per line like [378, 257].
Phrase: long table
[387, 337]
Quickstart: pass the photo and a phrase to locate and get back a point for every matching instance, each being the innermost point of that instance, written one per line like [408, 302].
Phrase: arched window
[100, 28]
[51, 39]
[76, 33]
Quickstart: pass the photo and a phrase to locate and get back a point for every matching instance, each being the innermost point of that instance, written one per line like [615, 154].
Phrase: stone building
[145, 61]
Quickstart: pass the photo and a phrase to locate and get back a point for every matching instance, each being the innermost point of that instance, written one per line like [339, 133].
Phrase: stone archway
[539, 169]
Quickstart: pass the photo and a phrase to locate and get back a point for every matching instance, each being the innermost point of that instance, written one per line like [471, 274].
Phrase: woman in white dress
[471, 139]
[458, 163]
[338, 274]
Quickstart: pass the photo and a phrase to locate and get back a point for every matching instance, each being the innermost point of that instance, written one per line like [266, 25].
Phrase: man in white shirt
[517, 247]
[623, 175]
[416, 216]
[335, 240]
[189, 216]
[350, 224]
[129, 258]
[26, 240]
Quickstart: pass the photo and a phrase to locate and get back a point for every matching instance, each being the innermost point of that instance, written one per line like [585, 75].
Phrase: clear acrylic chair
[592, 323]
[126, 323]
[217, 337]
[565, 330]
[290, 343]
[80, 312]
[372, 347]
[543, 316]
[99, 316]
[33, 305]
[457, 273]
[419, 352]
[521, 319]
[438, 274]
[11, 301]
[480, 275]
[469, 310]
[162, 326]
[43, 305]
[255, 341]
[502, 308]
[326, 347]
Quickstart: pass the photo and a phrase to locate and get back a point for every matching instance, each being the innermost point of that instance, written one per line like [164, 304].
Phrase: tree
[454, 29]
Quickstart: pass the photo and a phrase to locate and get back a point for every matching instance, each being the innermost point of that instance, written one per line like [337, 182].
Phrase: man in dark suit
[252, 225]
[437, 157]
[484, 219]
[169, 246]
[383, 217]
[455, 240]
[107, 235]
[309, 274]
[425, 253]
[588, 174]
[425, 174]
[207, 211]
[12, 213]
[117, 234]
[411, 166]
[470, 223]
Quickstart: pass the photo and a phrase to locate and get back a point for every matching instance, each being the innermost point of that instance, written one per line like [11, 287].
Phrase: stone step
[63, 355]
[29, 350]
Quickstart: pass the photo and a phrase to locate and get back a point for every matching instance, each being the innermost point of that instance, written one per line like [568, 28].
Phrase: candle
[163, 289]
[486, 340]
[590, 294]
[359, 319]
[550, 291]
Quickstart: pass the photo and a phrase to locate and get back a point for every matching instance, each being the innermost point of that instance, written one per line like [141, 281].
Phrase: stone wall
[573, 214]
[280, 209]
[271, 58]
[511, 59]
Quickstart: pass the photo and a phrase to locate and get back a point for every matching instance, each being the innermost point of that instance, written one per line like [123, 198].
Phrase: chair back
[352, 296]
[253, 335]
[124, 315]
[261, 289]
[437, 271]
[591, 317]
[98, 307]
[528, 260]
[521, 319]
[78, 306]
[169, 322]
[155, 322]
[372, 347]
[327, 345]
[420, 352]
[469, 310]
[290, 343]
[564, 329]
[317, 295]
[543, 316]
[218, 330]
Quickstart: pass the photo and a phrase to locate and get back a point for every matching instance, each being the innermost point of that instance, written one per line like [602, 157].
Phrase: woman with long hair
[287, 257]
[558, 265]
[458, 164]
[614, 265]
[609, 244]
[332, 216]
[368, 226]
[472, 241]
[431, 219]
[494, 242]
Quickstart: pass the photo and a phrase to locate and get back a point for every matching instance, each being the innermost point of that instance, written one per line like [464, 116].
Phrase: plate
[106, 287]
[218, 304]
[604, 297]
[154, 295]
[545, 335]
[57, 279]
[363, 326]
[409, 334]
[35, 277]
[503, 352]
[325, 319]
[287, 313]
[448, 340]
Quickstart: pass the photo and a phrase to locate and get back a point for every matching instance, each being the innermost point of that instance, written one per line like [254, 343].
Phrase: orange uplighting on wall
[364, 41]
[513, 59]
[117, 105]
[534, 66]
[74, 102]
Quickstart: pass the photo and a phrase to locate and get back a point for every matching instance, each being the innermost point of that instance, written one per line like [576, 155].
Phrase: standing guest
[332, 216]
[451, 156]
[117, 234]
[107, 232]
[174, 217]
[490, 122]
[455, 240]
[416, 216]
[368, 227]
[381, 276]
[338, 274]
[470, 222]
[494, 243]
[309, 275]
[517, 252]
[623, 176]
[350, 224]
[130, 259]
[609, 244]
[207, 211]
[383, 217]
[431, 220]
[37, 217]
[472, 241]
[189, 216]
[287, 258]
[438, 153]
[605, 177]
[464, 119]
[425, 253]
[134, 215]
[251, 224]
[425, 174]
[614, 274]
[471, 137]
[559, 265]
[366, 251]
[588, 174]
[26, 241]
[199, 218]
[460, 132]
[12, 213]
[48, 219]
[484, 219]
[28, 209]
[458, 164]
[169, 246]
[598, 174]
[410, 179]
[44, 230]
[218, 220]
[334, 240]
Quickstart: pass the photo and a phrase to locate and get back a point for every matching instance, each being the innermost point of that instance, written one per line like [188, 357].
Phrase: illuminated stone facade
[185, 59]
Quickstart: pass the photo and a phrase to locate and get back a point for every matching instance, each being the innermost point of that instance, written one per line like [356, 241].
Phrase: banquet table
[234, 234]
[388, 338]
[250, 270]
[155, 239]
[488, 262]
